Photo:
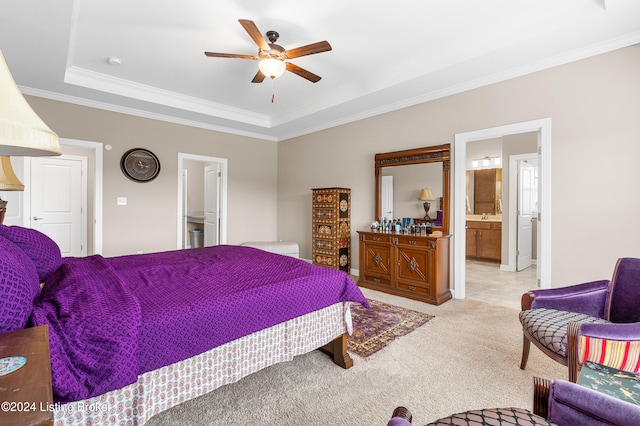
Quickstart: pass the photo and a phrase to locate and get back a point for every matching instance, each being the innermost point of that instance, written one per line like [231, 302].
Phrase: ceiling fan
[272, 57]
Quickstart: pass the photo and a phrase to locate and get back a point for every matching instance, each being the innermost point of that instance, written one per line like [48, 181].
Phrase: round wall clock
[140, 165]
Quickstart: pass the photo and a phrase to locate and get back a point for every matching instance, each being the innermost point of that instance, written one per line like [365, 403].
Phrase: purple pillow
[19, 285]
[42, 250]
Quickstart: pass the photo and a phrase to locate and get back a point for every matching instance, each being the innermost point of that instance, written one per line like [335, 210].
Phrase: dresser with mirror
[403, 263]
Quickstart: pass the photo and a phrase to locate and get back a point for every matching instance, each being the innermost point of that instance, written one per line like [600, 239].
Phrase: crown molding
[118, 86]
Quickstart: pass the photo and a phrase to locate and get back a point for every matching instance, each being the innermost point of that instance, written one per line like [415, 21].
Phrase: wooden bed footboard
[337, 349]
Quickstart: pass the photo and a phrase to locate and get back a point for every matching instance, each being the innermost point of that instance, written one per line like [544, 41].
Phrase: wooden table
[26, 397]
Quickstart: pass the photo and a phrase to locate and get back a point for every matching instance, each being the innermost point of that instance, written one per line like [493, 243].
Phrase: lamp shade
[425, 195]
[8, 179]
[22, 132]
[272, 67]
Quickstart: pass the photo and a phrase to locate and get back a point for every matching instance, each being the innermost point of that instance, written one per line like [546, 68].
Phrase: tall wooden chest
[331, 228]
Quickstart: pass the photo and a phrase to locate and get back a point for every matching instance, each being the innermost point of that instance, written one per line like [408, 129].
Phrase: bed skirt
[161, 389]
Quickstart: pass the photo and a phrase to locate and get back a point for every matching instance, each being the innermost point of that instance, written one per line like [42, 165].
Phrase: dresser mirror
[413, 162]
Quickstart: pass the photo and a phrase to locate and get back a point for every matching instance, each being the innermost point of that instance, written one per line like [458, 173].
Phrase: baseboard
[507, 268]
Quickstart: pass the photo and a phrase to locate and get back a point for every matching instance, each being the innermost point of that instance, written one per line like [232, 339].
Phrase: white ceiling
[385, 55]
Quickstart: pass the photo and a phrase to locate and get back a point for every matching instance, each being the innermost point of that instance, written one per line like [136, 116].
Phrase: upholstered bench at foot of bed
[549, 326]
[286, 248]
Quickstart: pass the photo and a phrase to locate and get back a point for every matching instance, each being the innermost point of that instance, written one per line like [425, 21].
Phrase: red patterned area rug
[375, 328]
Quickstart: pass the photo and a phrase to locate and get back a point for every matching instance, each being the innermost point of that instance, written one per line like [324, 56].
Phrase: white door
[185, 186]
[211, 204]
[387, 197]
[527, 196]
[58, 202]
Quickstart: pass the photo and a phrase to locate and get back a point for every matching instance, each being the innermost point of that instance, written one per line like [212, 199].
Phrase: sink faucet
[485, 216]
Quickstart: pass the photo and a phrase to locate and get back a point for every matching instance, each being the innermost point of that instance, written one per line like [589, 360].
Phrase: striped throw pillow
[623, 355]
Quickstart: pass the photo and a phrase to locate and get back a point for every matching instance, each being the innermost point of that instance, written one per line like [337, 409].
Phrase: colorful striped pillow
[620, 354]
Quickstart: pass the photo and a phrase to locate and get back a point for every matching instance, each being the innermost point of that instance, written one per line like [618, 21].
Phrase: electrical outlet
[121, 201]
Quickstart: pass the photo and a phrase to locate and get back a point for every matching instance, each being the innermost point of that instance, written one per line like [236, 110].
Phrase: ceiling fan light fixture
[271, 67]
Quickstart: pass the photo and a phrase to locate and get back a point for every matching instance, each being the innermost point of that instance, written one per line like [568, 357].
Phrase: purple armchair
[555, 402]
[596, 321]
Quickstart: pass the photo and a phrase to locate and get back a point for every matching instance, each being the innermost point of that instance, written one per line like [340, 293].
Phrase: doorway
[542, 128]
[203, 180]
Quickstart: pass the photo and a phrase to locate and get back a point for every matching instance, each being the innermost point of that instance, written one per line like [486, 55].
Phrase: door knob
[37, 218]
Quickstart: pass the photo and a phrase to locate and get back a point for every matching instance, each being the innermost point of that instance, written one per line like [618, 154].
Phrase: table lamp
[426, 195]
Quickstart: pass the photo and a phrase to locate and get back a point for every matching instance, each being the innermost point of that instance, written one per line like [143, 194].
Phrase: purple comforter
[111, 319]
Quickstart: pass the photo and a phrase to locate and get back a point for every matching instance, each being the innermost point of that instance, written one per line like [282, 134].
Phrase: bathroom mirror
[484, 191]
[439, 155]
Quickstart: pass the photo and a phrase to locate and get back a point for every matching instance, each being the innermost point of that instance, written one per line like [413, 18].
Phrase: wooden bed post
[337, 349]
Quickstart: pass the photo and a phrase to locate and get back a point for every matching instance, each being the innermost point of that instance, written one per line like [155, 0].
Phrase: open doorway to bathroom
[501, 188]
[499, 279]
[202, 201]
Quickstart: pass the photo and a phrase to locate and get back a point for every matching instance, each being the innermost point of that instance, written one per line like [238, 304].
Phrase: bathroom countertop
[489, 218]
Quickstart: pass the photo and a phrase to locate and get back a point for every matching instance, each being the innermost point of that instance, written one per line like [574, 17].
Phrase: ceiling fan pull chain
[273, 95]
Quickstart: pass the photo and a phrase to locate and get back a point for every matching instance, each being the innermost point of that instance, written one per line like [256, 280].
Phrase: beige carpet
[467, 357]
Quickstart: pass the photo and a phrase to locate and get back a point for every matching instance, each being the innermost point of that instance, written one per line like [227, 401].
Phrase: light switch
[121, 201]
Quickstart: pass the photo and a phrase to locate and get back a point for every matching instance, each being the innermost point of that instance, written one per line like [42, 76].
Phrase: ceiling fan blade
[230, 55]
[309, 49]
[258, 78]
[303, 73]
[254, 33]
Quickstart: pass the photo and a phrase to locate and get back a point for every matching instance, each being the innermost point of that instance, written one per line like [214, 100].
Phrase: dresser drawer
[411, 241]
[386, 281]
[324, 244]
[323, 229]
[421, 289]
[375, 238]
[326, 213]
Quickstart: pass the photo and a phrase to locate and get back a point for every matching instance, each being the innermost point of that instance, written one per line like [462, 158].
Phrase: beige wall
[148, 222]
[594, 105]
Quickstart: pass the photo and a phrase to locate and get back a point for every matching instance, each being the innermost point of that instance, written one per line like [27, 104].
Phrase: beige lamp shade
[8, 179]
[426, 195]
[22, 132]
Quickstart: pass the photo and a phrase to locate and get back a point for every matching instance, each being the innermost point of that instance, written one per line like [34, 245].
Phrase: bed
[132, 336]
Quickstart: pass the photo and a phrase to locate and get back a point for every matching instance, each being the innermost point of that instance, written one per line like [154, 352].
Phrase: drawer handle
[376, 280]
[376, 238]
[413, 242]
[412, 288]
